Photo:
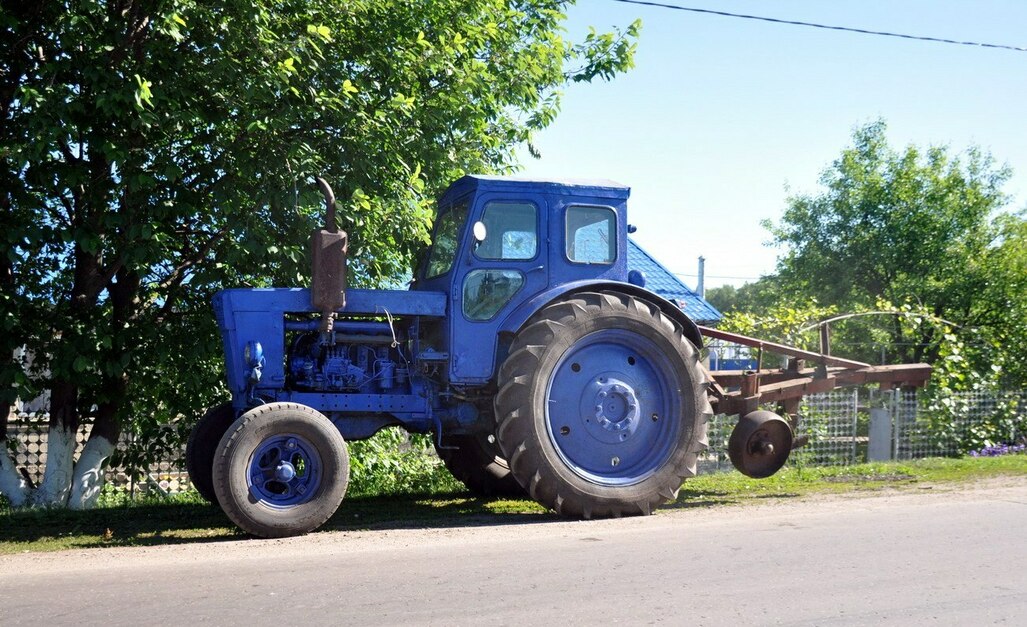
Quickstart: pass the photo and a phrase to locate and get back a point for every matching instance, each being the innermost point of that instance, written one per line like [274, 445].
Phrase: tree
[154, 152]
[750, 297]
[920, 229]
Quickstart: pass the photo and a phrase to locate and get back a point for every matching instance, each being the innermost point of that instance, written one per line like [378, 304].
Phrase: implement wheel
[760, 444]
[203, 444]
[602, 406]
[476, 461]
[281, 470]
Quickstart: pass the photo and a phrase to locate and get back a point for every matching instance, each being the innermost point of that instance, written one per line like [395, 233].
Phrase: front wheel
[602, 406]
[476, 461]
[281, 470]
[202, 447]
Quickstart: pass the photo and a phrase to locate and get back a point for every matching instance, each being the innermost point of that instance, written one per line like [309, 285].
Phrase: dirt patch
[893, 477]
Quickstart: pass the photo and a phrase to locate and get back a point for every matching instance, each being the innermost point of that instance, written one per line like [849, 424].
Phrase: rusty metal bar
[782, 349]
[750, 384]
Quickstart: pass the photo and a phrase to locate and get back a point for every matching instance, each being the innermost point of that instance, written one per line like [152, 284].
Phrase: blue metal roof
[660, 280]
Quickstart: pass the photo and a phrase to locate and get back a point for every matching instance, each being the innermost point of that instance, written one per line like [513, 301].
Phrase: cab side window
[447, 238]
[591, 234]
[511, 231]
[488, 291]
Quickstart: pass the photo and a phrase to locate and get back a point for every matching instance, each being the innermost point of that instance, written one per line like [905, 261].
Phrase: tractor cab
[501, 246]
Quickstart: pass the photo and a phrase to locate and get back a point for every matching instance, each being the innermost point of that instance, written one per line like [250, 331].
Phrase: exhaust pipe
[328, 255]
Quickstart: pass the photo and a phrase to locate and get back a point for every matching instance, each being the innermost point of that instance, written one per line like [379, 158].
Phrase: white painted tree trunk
[87, 479]
[12, 484]
[60, 460]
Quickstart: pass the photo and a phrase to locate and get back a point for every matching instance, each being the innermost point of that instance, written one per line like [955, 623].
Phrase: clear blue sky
[722, 116]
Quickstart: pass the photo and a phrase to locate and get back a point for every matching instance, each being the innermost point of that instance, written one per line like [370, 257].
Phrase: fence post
[855, 425]
[879, 448]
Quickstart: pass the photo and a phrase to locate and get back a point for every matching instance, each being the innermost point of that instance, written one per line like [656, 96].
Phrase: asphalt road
[943, 556]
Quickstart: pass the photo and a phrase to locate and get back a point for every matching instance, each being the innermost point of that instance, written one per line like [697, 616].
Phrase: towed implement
[536, 357]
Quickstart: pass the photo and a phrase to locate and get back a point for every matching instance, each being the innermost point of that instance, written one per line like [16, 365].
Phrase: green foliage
[918, 232]
[890, 224]
[915, 242]
[750, 297]
[959, 390]
[782, 323]
[393, 462]
[156, 154]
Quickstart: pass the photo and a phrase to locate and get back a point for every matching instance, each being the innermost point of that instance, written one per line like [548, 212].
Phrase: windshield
[448, 227]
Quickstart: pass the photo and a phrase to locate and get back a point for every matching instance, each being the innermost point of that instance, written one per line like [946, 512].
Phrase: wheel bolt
[615, 461]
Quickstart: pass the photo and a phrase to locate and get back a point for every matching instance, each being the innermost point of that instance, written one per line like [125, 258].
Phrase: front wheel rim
[613, 408]
[285, 470]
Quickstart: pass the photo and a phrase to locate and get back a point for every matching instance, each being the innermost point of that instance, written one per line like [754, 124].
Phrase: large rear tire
[202, 446]
[281, 470]
[476, 461]
[602, 406]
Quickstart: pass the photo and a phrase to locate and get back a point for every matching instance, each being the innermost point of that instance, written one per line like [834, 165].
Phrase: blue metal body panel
[406, 357]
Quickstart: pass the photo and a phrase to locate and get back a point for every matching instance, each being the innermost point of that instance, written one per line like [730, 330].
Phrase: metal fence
[838, 425]
[27, 433]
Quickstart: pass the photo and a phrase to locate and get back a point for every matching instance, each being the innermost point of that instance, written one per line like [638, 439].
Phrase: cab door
[494, 275]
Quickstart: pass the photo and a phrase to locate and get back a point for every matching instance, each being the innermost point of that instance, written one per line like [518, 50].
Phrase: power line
[848, 29]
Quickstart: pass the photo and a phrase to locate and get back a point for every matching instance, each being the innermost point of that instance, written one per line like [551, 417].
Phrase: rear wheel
[602, 406]
[281, 470]
[476, 461]
[203, 444]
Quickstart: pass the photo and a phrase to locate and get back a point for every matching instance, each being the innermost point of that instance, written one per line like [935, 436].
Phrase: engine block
[364, 363]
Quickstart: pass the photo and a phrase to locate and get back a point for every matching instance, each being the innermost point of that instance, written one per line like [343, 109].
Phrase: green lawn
[186, 518]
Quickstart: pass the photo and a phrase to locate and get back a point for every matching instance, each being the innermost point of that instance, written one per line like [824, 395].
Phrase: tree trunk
[60, 446]
[88, 477]
[87, 480]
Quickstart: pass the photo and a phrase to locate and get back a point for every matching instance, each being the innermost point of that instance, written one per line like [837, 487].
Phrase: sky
[722, 119]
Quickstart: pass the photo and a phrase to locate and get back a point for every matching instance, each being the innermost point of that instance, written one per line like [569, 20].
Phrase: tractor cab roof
[593, 188]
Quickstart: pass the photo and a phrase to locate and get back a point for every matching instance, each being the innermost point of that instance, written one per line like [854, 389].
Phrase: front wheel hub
[285, 471]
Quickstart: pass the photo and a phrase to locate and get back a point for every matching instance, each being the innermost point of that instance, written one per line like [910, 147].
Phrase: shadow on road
[151, 524]
[167, 523]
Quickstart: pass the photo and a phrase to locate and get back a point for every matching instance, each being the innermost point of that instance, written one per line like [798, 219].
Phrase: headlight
[253, 354]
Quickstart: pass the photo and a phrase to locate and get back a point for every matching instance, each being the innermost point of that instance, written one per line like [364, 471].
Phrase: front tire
[602, 406]
[202, 447]
[281, 470]
[476, 461]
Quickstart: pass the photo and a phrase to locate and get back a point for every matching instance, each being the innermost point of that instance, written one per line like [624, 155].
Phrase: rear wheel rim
[613, 408]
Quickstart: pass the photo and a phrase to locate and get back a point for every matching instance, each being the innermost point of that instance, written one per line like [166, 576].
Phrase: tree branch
[174, 280]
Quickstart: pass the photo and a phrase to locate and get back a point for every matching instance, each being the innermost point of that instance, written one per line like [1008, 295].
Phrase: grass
[188, 519]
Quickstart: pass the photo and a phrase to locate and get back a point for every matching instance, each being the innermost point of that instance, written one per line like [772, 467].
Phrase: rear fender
[517, 319]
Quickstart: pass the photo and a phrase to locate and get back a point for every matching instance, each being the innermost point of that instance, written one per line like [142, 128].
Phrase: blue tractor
[539, 362]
